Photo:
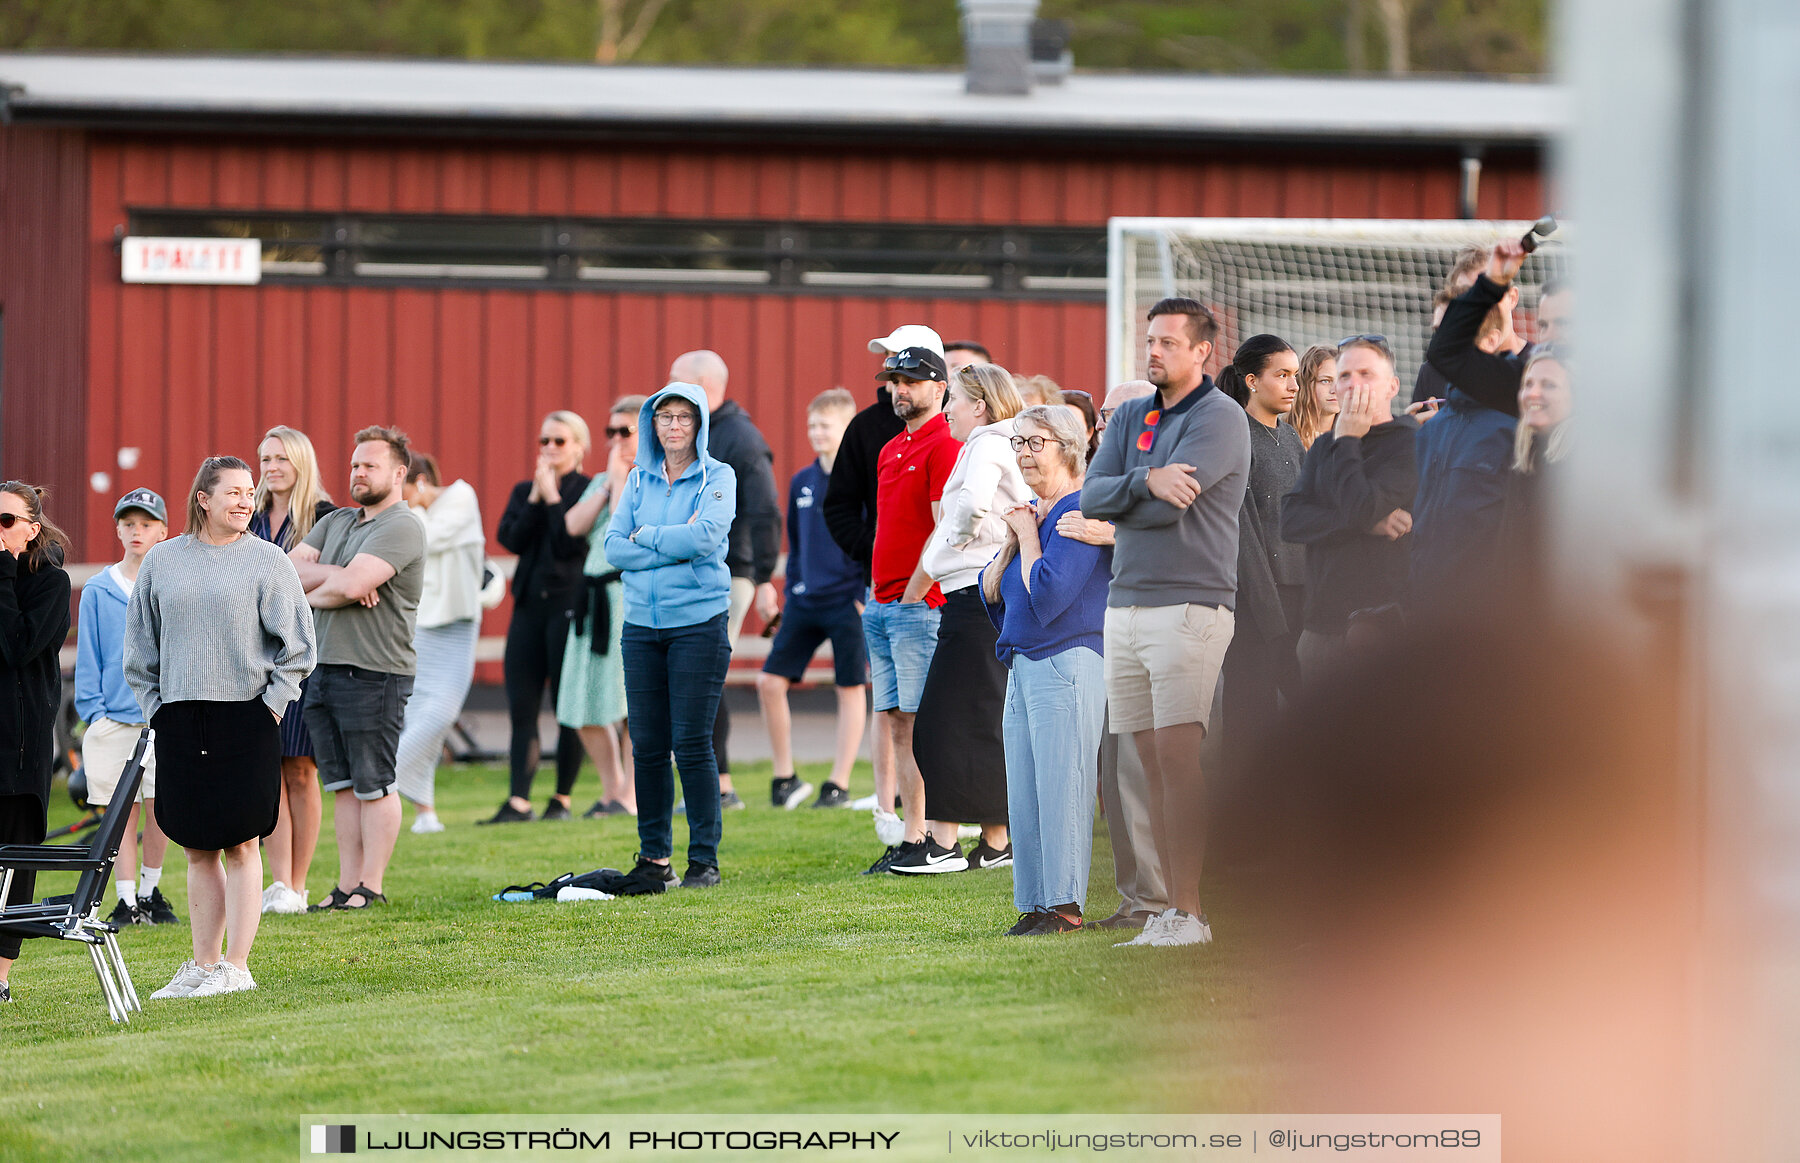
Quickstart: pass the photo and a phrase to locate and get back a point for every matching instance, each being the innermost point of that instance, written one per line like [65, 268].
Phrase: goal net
[1308, 280]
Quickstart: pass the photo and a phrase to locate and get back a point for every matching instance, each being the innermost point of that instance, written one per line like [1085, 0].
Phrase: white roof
[120, 89]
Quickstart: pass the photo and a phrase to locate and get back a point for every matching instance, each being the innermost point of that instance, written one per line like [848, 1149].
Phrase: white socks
[127, 893]
[148, 879]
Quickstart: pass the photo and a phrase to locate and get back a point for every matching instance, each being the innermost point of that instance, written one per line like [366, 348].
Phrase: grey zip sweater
[1166, 556]
[217, 623]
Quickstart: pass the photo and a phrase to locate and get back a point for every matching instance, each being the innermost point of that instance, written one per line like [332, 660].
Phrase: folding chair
[77, 917]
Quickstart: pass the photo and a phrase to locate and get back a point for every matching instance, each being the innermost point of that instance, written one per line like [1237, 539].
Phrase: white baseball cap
[911, 335]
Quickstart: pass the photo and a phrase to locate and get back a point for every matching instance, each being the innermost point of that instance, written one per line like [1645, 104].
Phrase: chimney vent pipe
[997, 41]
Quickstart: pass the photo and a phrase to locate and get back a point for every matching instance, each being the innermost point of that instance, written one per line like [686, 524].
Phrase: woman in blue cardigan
[1047, 595]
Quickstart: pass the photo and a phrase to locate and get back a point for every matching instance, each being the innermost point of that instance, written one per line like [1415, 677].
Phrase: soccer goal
[1308, 280]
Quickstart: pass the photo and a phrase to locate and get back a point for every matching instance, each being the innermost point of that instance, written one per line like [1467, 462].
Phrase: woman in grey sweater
[217, 641]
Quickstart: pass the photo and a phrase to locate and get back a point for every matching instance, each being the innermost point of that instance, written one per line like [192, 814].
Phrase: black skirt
[218, 773]
[956, 737]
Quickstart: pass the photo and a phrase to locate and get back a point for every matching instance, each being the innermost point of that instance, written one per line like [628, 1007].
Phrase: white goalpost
[1308, 280]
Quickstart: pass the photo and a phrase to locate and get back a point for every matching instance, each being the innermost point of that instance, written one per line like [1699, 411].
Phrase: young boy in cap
[111, 711]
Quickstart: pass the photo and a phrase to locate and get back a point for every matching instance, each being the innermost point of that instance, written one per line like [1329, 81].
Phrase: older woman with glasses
[668, 538]
[592, 698]
[1046, 594]
[547, 586]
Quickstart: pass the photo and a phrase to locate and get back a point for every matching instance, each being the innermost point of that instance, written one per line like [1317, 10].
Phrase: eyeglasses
[1379, 342]
[559, 441]
[676, 419]
[1035, 443]
[1106, 415]
[620, 433]
[8, 520]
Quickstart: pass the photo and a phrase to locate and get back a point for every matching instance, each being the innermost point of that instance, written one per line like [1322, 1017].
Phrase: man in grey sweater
[1170, 474]
[363, 569]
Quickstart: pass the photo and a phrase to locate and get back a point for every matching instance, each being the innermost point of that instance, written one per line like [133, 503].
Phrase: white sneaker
[1152, 927]
[279, 898]
[866, 804]
[1181, 928]
[187, 979]
[225, 978]
[889, 828]
[426, 823]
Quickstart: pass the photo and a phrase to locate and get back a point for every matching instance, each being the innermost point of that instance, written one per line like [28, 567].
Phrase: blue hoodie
[100, 690]
[670, 539]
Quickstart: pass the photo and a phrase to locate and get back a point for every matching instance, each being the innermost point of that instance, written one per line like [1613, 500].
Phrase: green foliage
[1228, 36]
[797, 985]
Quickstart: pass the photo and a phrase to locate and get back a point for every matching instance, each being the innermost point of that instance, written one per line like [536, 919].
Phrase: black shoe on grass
[556, 810]
[157, 910]
[701, 875]
[124, 914]
[1053, 921]
[646, 879]
[832, 796]
[894, 852]
[509, 815]
[930, 857]
[788, 792]
[983, 856]
[1027, 922]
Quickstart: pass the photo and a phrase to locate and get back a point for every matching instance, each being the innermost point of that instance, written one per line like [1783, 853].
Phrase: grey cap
[143, 499]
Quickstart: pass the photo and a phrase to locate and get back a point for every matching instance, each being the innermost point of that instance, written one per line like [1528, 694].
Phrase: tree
[620, 38]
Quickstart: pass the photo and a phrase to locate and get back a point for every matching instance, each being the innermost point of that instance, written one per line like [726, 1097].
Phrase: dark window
[1033, 262]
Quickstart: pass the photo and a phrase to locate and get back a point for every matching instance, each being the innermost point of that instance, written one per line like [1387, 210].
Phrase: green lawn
[796, 986]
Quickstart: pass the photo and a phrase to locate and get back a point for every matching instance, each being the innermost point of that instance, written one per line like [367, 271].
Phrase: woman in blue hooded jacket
[668, 538]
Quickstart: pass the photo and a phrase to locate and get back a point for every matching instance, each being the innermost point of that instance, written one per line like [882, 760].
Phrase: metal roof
[350, 94]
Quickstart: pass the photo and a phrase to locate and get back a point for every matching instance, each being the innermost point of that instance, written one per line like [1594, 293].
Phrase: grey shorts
[355, 716]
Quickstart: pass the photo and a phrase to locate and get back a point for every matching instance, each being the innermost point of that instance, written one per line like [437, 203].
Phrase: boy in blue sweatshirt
[824, 600]
[112, 714]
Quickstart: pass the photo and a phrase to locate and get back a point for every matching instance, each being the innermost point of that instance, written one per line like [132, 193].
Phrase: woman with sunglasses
[34, 621]
[592, 698]
[1046, 596]
[957, 745]
[547, 586]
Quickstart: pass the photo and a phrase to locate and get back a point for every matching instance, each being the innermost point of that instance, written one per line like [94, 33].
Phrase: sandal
[369, 895]
[336, 900]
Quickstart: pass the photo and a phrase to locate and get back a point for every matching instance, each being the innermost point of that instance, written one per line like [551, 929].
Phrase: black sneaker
[929, 857]
[701, 875]
[894, 852]
[605, 808]
[832, 796]
[647, 878]
[157, 909]
[1027, 922]
[124, 914]
[509, 815]
[983, 856]
[556, 810]
[788, 792]
[729, 801]
[1051, 921]
[5, 993]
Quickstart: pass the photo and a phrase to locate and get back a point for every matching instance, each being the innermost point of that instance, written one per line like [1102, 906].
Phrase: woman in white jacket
[449, 625]
[958, 744]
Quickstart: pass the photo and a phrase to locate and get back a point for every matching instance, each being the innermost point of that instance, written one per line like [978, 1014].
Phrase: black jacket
[756, 532]
[1488, 379]
[1345, 487]
[850, 498]
[550, 561]
[34, 621]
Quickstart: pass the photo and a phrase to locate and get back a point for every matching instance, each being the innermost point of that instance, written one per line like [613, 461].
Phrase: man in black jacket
[755, 532]
[1349, 508]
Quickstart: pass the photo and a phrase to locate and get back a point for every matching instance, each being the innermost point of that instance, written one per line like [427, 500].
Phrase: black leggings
[534, 654]
[21, 822]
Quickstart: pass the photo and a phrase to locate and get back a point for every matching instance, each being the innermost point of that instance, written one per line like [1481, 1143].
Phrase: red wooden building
[459, 248]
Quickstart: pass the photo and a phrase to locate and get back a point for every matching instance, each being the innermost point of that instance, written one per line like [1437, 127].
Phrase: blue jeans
[1055, 711]
[673, 680]
[901, 640]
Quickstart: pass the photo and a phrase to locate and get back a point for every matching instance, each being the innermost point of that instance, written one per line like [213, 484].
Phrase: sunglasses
[559, 441]
[1377, 341]
[1067, 392]
[620, 433]
[909, 365]
[8, 520]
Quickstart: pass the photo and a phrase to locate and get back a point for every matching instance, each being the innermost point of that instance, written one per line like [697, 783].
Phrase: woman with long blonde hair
[290, 498]
[1315, 403]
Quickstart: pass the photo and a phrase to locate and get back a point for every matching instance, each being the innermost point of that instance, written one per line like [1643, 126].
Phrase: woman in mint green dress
[591, 698]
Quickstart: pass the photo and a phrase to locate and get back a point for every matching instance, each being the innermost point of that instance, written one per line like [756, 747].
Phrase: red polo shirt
[909, 476]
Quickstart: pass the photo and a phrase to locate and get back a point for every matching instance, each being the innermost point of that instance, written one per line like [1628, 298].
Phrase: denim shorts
[901, 640]
[355, 716]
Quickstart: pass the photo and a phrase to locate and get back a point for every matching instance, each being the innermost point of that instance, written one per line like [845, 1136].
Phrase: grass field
[796, 986]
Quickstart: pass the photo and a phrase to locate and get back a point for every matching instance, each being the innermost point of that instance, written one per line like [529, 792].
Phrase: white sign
[191, 260]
